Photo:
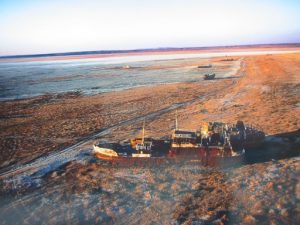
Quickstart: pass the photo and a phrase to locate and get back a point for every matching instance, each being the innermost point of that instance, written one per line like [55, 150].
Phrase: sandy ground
[95, 193]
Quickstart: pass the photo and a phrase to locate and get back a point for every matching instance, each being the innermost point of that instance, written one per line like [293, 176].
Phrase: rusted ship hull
[132, 161]
[152, 161]
[208, 156]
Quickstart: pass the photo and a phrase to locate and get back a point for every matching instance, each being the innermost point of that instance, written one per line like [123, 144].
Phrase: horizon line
[166, 49]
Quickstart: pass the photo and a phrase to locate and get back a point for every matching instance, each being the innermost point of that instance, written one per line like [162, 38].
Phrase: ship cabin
[136, 141]
[184, 138]
[145, 146]
[143, 149]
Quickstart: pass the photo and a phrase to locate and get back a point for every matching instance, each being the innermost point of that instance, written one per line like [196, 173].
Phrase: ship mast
[176, 121]
[143, 137]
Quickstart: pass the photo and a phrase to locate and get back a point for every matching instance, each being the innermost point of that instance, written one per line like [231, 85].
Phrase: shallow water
[27, 79]
[98, 75]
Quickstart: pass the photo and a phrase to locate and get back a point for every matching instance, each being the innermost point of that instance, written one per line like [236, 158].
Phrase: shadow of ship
[275, 147]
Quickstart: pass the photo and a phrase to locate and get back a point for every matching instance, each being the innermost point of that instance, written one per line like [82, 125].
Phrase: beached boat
[205, 66]
[214, 144]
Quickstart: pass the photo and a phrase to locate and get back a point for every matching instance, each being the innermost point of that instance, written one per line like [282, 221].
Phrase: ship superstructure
[210, 143]
[144, 148]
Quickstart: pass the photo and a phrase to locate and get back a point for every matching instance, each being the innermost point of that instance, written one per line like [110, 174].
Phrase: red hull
[128, 160]
[211, 157]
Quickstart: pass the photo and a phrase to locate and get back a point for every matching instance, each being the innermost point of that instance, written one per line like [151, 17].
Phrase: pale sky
[48, 26]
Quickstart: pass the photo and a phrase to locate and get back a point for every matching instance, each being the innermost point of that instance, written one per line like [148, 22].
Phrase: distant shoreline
[93, 69]
[107, 53]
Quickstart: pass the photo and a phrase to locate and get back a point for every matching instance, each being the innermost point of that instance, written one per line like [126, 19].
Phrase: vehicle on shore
[209, 76]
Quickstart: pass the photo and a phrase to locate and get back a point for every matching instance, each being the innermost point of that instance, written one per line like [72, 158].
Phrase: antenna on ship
[176, 121]
[143, 137]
